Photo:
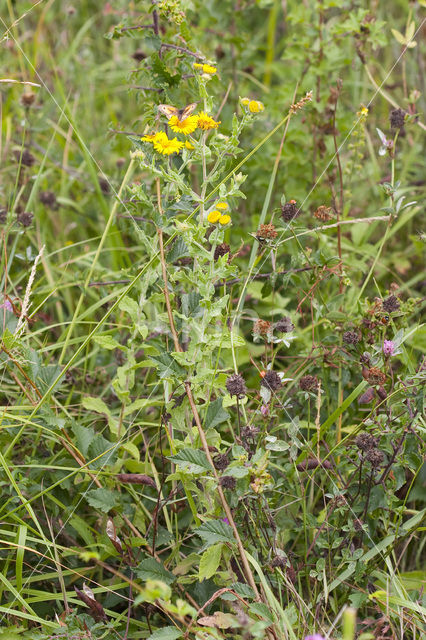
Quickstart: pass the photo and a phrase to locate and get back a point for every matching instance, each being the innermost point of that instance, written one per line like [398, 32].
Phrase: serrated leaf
[166, 633]
[84, 436]
[150, 569]
[167, 366]
[214, 531]
[96, 404]
[209, 562]
[102, 499]
[194, 460]
[215, 414]
[131, 307]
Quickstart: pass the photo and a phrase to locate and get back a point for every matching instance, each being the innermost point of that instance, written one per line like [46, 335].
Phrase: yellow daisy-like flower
[188, 145]
[255, 106]
[149, 138]
[245, 101]
[364, 111]
[164, 145]
[223, 220]
[206, 68]
[206, 122]
[186, 126]
[221, 205]
[214, 216]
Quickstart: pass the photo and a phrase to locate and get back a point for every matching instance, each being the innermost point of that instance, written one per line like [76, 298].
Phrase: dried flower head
[391, 304]
[278, 561]
[271, 380]
[236, 386]
[266, 232]
[365, 358]
[26, 158]
[299, 105]
[365, 441]
[324, 213]
[228, 482]
[289, 210]
[375, 457]
[397, 118]
[221, 250]
[221, 461]
[24, 218]
[48, 198]
[309, 383]
[374, 376]
[261, 327]
[284, 325]
[351, 337]
[27, 98]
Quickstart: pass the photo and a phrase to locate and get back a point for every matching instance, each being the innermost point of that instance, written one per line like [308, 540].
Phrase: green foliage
[212, 427]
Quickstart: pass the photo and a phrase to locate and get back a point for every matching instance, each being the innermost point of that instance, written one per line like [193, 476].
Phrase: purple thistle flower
[388, 348]
[264, 410]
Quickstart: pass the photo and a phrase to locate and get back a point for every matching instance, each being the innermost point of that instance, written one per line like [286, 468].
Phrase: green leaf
[166, 633]
[102, 499]
[84, 436]
[167, 366]
[150, 569]
[214, 531]
[96, 404]
[108, 342]
[194, 460]
[131, 307]
[210, 561]
[215, 414]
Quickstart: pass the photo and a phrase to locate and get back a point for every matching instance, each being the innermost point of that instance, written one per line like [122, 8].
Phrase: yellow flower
[364, 111]
[188, 145]
[255, 106]
[223, 220]
[149, 138]
[163, 144]
[206, 122]
[221, 205]
[206, 68]
[214, 216]
[245, 101]
[186, 126]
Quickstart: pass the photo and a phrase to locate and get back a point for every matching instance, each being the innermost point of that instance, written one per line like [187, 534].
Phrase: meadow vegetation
[212, 349]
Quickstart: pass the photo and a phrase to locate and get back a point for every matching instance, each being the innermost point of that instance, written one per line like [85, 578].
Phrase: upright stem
[187, 384]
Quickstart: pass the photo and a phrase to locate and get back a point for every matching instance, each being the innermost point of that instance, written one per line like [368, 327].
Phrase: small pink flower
[388, 348]
[264, 410]
[6, 305]
[315, 636]
[225, 520]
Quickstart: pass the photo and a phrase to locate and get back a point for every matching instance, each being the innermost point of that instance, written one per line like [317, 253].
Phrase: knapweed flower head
[388, 348]
[374, 376]
[165, 145]
[391, 304]
[397, 118]
[205, 68]
[289, 210]
[284, 325]
[323, 213]
[315, 636]
[309, 383]
[271, 380]
[186, 126]
[6, 304]
[261, 327]
[236, 386]
[206, 122]
[266, 232]
[351, 337]
[221, 250]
